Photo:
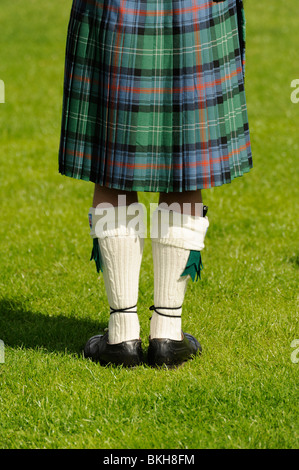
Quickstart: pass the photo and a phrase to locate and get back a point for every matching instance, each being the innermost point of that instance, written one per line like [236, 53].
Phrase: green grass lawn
[241, 393]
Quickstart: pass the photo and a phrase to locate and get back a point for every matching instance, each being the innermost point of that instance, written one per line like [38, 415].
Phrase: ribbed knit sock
[121, 251]
[169, 290]
[171, 247]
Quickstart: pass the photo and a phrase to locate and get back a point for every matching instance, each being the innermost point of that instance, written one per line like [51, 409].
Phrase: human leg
[118, 248]
[110, 196]
[188, 202]
[176, 245]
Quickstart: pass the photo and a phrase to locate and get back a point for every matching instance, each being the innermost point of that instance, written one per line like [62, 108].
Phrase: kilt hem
[139, 188]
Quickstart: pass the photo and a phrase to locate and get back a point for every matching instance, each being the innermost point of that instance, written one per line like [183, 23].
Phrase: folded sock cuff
[119, 221]
[181, 230]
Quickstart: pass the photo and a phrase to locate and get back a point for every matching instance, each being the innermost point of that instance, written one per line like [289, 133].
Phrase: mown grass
[242, 392]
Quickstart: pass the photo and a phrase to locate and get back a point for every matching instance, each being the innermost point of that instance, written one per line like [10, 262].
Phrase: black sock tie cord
[116, 310]
[152, 307]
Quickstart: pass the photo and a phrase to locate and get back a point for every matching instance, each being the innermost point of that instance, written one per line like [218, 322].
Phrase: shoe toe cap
[93, 346]
[194, 345]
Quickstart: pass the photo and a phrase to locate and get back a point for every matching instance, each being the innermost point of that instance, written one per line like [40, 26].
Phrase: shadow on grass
[20, 327]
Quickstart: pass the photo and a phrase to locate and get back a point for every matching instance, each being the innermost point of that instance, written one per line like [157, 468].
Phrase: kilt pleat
[154, 96]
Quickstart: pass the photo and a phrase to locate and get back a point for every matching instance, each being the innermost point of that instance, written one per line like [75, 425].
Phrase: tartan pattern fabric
[154, 95]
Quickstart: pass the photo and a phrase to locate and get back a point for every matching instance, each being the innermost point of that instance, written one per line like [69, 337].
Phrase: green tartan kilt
[154, 96]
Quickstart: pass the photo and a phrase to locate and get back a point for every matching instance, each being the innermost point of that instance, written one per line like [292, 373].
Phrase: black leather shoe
[170, 352]
[127, 353]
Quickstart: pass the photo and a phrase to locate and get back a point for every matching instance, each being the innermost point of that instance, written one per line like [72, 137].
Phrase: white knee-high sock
[121, 248]
[169, 290]
[171, 245]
